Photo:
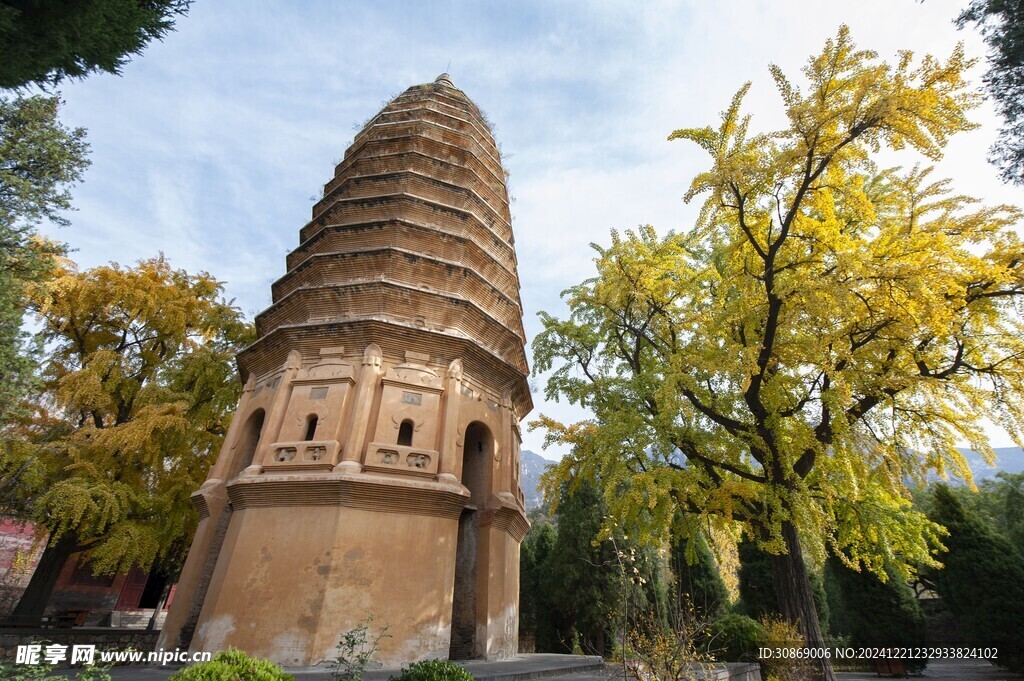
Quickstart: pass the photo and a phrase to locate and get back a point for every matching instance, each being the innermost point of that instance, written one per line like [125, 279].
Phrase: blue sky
[212, 144]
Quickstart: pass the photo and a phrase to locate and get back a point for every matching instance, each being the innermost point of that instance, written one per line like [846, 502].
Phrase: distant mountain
[531, 465]
[1008, 459]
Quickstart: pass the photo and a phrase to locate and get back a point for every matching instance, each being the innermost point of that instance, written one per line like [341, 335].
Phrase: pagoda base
[298, 569]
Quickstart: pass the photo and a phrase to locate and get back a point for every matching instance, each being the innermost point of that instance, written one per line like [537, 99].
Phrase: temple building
[372, 465]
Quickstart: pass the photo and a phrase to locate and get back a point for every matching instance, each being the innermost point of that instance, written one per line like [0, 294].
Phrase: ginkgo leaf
[140, 388]
[820, 340]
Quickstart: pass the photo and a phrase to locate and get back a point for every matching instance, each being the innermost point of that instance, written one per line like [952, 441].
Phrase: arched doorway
[476, 457]
[247, 445]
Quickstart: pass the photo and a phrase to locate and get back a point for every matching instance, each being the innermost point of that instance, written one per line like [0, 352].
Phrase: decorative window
[311, 427]
[405, 433]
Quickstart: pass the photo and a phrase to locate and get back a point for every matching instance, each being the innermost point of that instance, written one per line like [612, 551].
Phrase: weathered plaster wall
[291, 603]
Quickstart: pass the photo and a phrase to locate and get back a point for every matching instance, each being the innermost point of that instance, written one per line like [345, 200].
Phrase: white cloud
[211, 144]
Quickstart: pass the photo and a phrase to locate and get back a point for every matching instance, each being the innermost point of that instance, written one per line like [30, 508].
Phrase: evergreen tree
[757, 585]
[39, 160]
[1013, 508]
[758, 594]
[582, 575]
[999, 503]
[874, 613]
[981, 581]
[699, 583]
[46, 41]
[1002, 24]
[644, 587]
[535, 606]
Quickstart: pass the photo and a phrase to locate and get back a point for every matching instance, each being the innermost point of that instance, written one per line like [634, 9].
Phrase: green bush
[777, 632]
[734, 638]
[233, 665]
[11, 671]
[433, 670]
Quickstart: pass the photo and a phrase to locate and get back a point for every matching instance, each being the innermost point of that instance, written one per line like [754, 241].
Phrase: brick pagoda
[372, 466]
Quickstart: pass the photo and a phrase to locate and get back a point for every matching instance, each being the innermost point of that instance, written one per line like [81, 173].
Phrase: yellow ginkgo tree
[822, 337]
[139, 389]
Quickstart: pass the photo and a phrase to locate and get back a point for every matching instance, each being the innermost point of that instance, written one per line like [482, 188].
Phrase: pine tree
[981, 580]
[1002, 24]
[46, 41]
[581, 574]
[39, 160]
[759, 596]
[535, 607]
[874, 613]
[697, 581]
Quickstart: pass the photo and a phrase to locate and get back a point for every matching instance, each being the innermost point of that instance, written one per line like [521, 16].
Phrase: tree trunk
[164, 593]
[796, 600]
[37, 594]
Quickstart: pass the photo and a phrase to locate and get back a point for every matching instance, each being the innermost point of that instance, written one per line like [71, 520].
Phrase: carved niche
[405, 435]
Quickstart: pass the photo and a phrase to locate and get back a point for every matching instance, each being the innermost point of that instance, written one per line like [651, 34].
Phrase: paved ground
[523, 667]
[572, 668]
[952, 670]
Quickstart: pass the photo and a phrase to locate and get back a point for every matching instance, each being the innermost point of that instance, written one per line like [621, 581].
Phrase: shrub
[356, 650]
[734, 638]
[659, 653]
[433, 670]
[233, 665]
[11, 671]
[778, 633]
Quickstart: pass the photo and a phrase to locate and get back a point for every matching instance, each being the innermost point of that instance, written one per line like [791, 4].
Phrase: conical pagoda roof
[411, 247]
